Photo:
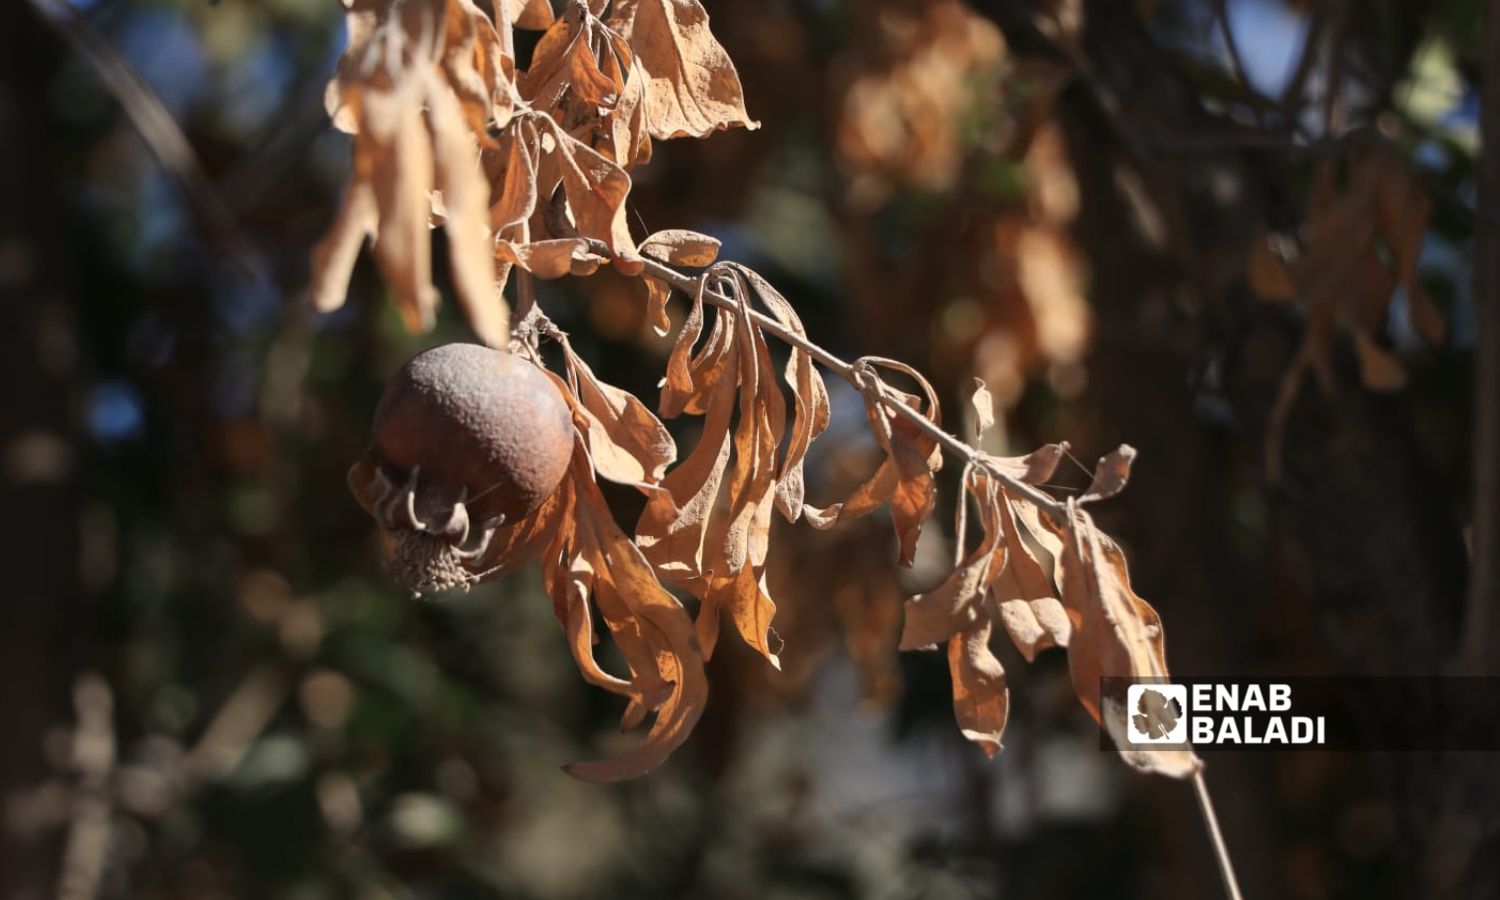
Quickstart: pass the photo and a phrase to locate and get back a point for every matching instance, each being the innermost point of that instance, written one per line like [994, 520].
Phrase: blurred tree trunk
[1482, 637]
[1359, 530]
[41, 608]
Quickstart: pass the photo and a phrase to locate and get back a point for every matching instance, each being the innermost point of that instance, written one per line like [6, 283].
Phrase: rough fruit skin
[476, 418]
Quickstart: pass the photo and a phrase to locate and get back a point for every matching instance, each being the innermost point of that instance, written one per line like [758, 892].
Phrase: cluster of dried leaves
[921, 114]
[1360, 242]
[530, 169]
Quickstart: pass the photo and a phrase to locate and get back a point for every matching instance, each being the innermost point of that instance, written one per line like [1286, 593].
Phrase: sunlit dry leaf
[563, 64]
[981, 700]
[551, 258]
[692, 88]
[411, 87]
[905, 478]
[680, 247]
[673, 526]
[809, 394]
[1110, 474]
[465, 197]
[1036, 467]
[1115, 633]
[334, 256]
[596, 191]
[1025, 598]
[652, 630]
[533, 15]
[627, 443]
[958, 602]
[657, 295]
[984, 408]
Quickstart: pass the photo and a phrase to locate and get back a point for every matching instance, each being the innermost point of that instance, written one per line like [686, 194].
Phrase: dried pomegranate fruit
[466, 438]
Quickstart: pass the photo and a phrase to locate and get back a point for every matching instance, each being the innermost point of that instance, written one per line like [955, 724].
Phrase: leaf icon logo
[1156, 714]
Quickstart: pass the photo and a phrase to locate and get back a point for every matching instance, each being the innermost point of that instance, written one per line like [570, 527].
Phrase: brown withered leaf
[1115, 633]
[809, 393]
[477, 68]
[1344, 282]
[627, 443]
[739, 527]
[981, 700]
[595, 189]
[1035, 468]
[586, 76]
[550, 258]
[680, 247]
[958, 602]
[692, 88]
[707, 528]
[599, 563]
[984, 408]
[657, 295]
[1026, 602]
[533, 15]
[395, 90]
[904, 478]
[1110, 474]
[673, 527]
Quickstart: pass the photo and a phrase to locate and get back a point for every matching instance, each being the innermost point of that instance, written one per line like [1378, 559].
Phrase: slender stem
[159, 131]
[1216, 837]
[846, 370]
[507, 31]
[1236, 62]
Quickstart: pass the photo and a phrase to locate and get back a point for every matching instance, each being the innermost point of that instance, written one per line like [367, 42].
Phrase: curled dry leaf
[588, 564]
[1000, 580]
[905, 477]
[586, 76]
[1110, 474]
[680, 247]
[1115, 634]
[706, 527]
[653, 632]
[958, 602]
[981, 700]
[984, 408]
[692, 87]
[627, 443]
[1024, 598]
[1086, 605]
[410, 86]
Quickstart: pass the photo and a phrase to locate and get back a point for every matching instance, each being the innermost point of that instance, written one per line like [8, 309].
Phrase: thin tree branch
[1236, 62]
[157, 128]
[1216, 837]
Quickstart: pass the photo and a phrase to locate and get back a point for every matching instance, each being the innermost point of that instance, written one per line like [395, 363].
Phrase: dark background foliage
[187, 578]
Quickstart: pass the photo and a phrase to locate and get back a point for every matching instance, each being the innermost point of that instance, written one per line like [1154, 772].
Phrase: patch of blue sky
[1270, 36]
[255, 90]
[165, 49]
[115, 412]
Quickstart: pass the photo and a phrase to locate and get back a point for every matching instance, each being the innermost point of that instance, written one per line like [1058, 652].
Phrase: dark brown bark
[40, 606]
[1482, 627]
